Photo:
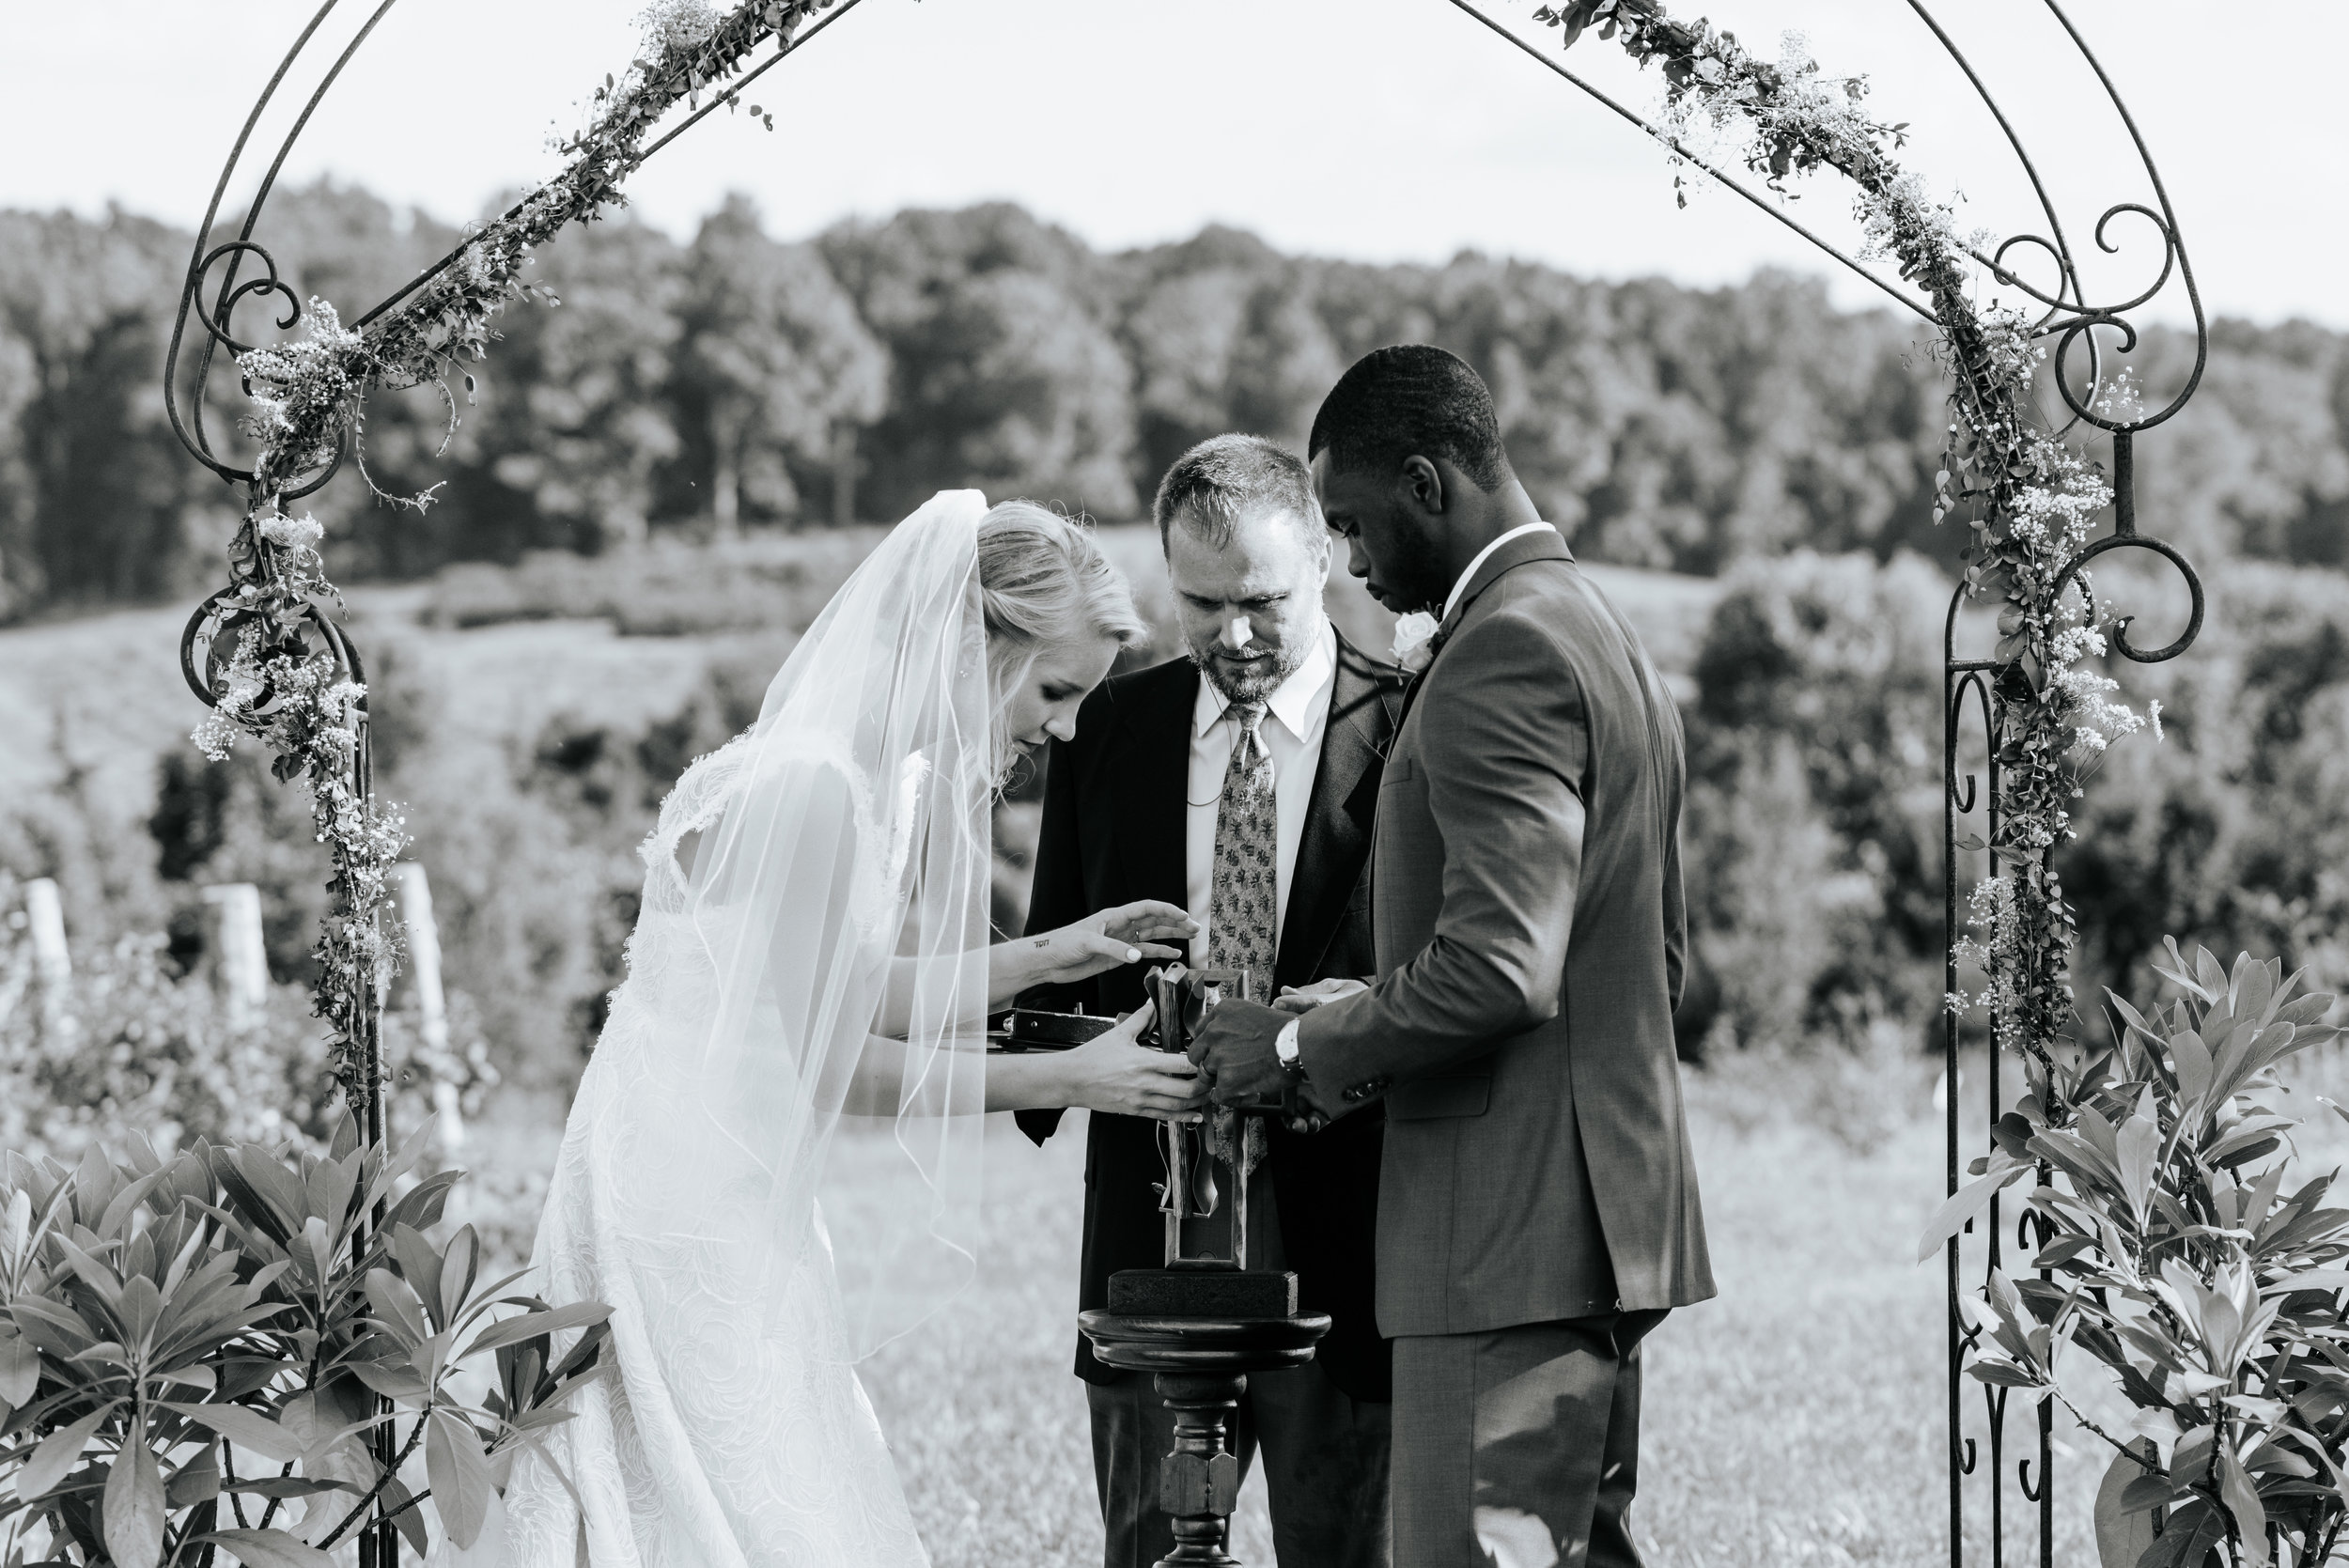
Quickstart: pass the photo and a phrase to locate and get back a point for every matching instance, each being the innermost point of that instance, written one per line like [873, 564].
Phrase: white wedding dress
[825, 957]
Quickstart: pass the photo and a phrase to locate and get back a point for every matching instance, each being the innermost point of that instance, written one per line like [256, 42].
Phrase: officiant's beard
[1245, 680]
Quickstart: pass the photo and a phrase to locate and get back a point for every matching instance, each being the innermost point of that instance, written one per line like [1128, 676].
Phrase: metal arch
[2168, 227]
[198, 446]
[2072, 574]
[377, 1543]
[2059, 246]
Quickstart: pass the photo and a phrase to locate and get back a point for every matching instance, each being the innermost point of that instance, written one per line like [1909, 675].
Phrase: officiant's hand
[1304, 998]
[1234, 1050]
[1111, 1072]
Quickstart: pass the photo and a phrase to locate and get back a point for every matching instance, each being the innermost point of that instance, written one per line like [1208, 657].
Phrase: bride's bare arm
[1110, 1074]
[1128, 934]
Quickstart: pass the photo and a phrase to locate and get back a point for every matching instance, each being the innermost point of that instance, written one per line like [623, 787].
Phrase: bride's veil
[825, 960]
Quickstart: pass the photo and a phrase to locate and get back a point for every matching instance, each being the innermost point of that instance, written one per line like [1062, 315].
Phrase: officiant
[1238, 781]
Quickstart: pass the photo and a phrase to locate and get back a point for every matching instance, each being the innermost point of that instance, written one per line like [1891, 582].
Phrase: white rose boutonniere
[1414, 640]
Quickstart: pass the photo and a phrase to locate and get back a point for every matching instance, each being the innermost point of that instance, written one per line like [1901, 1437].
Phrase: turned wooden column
[1199, 1481]
[1201, 1366]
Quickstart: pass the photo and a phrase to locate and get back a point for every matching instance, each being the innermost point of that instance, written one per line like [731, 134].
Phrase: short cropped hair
[1226, 479]
[1411, 398]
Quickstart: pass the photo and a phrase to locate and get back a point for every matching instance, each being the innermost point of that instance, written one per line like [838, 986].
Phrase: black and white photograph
[1255, 783]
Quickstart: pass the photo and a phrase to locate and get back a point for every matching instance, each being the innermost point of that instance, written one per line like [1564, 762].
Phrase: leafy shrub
[130, 1047]
[172, 1332]
[2181, 1267]
[127, 1047]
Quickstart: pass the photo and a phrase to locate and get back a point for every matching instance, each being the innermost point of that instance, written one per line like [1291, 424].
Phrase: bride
[813, 949]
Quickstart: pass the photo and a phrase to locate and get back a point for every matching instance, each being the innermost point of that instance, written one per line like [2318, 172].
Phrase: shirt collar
[1468, 575]
[1298, 702]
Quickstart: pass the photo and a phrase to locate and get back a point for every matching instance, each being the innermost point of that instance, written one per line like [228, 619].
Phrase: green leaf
[2243, 1501]
[20, 1370]
[408, 1521]
[198, 1480]
[419, 1265]
[133, 1508]
[2194, 1067]
[2124, 1523]
[245, 1428]
[58, 1454]
[2187, 1537]
[392, 1381]
[2139, 1147]
[267, 1548]
[460, 1475]
[396, 1306]
[289, 1486]
[1967, 1201]
[582, 1314]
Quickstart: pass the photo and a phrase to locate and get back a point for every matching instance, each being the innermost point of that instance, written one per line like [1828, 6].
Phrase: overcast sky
[1379, 130]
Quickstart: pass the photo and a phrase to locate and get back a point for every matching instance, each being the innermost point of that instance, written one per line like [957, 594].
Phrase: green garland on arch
[2030, 501]
[307, 396]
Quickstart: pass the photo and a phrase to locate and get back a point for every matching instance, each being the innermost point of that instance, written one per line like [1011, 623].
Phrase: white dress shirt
[1460, 587]
[1294, 716]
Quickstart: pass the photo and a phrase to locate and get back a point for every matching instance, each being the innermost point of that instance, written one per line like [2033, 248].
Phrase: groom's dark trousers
[1112, 832]
[1538, 1206]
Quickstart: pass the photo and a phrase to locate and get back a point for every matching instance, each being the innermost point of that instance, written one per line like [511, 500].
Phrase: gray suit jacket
[1529, 935]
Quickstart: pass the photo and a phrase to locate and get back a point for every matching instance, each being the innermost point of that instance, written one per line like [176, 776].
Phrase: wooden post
[45, 914]
[243, 957]
[415, 892]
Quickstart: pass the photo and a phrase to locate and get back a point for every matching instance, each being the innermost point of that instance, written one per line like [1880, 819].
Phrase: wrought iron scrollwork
[2065, 315]
[215, 284]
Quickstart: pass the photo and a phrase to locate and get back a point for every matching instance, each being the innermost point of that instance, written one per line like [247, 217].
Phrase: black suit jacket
[1112, 832]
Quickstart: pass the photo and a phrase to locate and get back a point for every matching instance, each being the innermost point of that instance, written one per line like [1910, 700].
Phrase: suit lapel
[1545, 544]
[1148, 770]
[1363, 711]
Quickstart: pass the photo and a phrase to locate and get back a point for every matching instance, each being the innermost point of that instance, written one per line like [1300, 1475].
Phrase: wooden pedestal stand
[1237, 1322]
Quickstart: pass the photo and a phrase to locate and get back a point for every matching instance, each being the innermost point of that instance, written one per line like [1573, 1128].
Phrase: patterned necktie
[1242, 915]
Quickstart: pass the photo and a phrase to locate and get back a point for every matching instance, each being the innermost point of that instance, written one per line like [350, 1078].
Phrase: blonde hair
[1042, 581]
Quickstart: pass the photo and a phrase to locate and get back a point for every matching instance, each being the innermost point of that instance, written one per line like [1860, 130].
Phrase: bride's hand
[1111, 1072]
[1105, 939]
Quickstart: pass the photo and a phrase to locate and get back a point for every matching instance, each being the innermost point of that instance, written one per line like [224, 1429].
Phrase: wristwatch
[1285, 1047]
[1299, 1116]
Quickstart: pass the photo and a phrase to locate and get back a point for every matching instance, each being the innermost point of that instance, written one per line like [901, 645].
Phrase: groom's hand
[1234, 1050]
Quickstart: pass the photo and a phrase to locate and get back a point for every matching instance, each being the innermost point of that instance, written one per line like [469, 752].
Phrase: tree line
[740, 381]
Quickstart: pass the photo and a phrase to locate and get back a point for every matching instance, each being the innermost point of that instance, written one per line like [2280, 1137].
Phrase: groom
[1539, 1211]
[1187, 782]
